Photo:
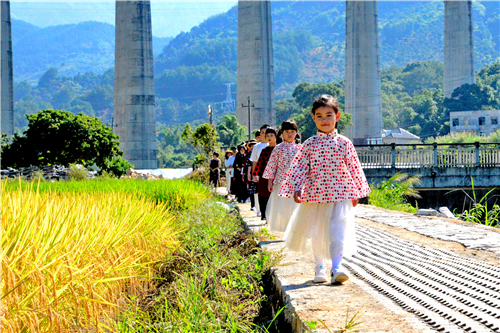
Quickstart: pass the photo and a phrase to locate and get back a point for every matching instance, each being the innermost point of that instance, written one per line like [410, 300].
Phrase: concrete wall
[458, 45]
[469, 121]
[255, 75]
[441, 177]
[134, 99]
[362, 76]
[7, 76]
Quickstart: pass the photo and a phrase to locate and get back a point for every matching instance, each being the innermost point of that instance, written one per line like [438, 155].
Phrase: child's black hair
[289, 124]
[325, 100]
[271, 130]
[264, 127]
[257, 133]
[216, 154]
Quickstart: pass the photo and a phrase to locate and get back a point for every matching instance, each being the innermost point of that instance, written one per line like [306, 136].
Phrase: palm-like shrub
[394, 193]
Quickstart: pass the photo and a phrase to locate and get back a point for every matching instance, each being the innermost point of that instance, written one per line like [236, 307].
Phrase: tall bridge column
[362, 72]
[134, 100]
[7, 76]
[255, 75]
[458, 45]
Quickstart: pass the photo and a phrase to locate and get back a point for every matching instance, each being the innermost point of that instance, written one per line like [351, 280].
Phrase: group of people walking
[308, 191]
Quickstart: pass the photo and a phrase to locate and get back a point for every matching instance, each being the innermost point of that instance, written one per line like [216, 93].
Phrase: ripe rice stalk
[67, 259]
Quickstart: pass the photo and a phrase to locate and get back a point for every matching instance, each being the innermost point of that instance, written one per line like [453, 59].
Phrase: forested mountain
[70, 66]
[71, 48]
[309, 42]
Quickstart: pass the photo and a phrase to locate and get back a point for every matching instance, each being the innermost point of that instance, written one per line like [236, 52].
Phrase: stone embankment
[133, 174]
[50, 172]
[411, 274]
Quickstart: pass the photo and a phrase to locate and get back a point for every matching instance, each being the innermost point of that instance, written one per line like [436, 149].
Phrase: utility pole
[249, 127]
[210, 114]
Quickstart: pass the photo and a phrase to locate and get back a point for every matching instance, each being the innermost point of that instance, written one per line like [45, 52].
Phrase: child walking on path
[280, 209]
[327, 179]
[262, 190]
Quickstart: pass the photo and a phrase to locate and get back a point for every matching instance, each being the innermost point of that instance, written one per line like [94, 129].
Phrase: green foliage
[479, 212]
[473, 97]
[305, 93]
[285, 108]
[77, 172]
[465, 137]
[203, 139]
[393, 193]
[231, 133]
[60, 137]
[172, 151]
[212, 284]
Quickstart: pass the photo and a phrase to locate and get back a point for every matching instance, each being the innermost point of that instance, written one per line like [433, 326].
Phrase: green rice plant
[68, 259]
[393, 193]
[177, 194]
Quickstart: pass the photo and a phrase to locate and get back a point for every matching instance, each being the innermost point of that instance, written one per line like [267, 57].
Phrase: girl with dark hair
[327, 179]
[279, 209]
[262, 190]
[215, 164]
[240, 187]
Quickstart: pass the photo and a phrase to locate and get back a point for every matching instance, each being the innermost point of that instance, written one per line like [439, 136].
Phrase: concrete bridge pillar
[7, 76]
[362, 72]
[134, 99]
[458, 45]
[255, 75]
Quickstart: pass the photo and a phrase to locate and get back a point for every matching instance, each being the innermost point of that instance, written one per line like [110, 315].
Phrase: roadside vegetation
[127, 256]
[394, 192]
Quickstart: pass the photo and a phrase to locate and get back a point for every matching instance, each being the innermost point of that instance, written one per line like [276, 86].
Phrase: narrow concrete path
[402, 280]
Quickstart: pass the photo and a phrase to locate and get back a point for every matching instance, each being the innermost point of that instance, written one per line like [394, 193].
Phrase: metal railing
[484, 155]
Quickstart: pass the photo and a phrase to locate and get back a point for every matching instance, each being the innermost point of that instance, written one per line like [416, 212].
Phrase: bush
[393, 193]
[60, 137]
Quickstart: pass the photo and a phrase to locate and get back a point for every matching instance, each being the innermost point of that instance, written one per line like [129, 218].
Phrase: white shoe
[339, 277]
[320, 274]
[258, 214]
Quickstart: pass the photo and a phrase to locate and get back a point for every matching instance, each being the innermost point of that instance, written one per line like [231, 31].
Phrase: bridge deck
[411, 274]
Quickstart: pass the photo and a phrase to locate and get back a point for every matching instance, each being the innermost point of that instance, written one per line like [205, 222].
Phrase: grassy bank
[128, 256]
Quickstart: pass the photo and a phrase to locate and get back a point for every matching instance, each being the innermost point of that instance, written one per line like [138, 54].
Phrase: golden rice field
[70, 260]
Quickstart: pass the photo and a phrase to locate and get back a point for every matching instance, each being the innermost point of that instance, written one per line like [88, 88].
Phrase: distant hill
[71, 48]
[309, 39]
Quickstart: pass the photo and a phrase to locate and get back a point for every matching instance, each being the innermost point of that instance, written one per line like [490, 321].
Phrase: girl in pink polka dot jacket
[327, 180]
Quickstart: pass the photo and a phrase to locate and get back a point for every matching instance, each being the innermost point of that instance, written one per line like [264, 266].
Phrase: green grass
[393, 193]
[465, 137]
[213, 284]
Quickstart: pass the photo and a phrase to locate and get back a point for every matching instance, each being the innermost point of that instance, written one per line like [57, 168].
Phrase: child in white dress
[327, 179]
[280, 209]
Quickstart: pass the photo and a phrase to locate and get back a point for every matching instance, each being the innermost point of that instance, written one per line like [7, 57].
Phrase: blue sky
[168, 18]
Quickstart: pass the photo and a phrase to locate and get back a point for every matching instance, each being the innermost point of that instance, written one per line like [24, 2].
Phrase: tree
[60, 137]
[231, 133]
[305, 93]
[203, 139]
[472, 97]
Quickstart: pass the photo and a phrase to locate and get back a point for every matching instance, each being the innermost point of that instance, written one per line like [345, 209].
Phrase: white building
[481, 122]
